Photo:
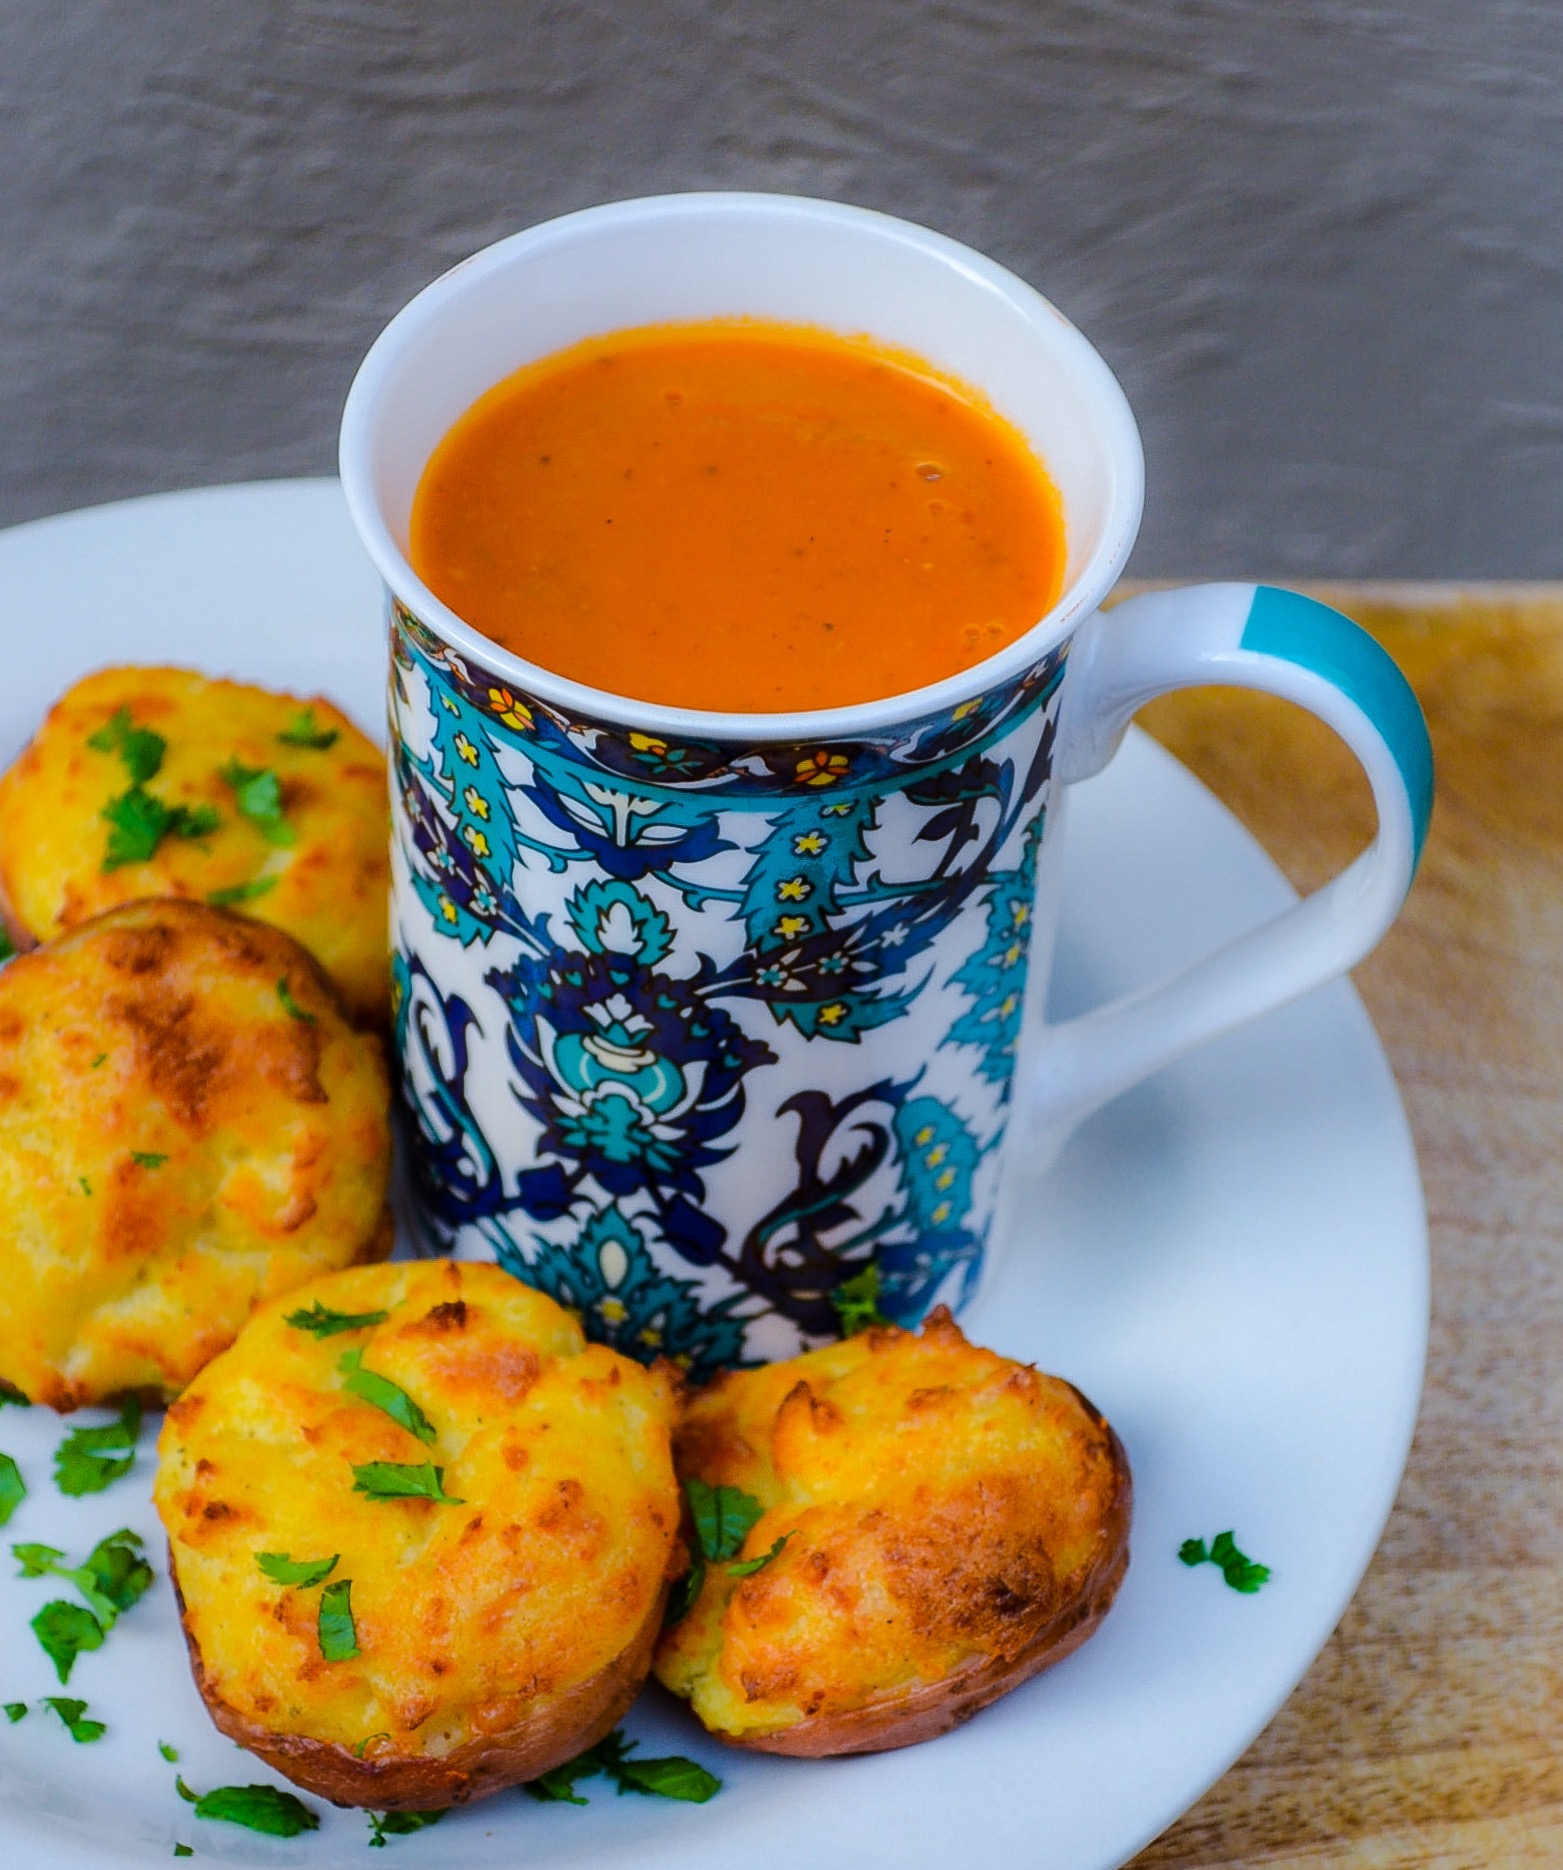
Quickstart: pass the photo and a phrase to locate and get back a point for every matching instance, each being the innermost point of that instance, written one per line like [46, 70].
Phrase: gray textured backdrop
[1320, 240]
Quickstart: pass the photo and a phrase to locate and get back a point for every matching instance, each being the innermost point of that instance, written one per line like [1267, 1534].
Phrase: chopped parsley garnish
[232, 893]
[147, 1159]
[367, 1742]
[13, 1489]
[383, 1825]
[747, 1567]
[389, 1398]
[99, 1060]
[183, 1850]
[857, 1301]
[321, 1322]
[140, 748]
[722, 1517]
[1241, 1572]
[138, 823]
[302, 1572]
[258, 794]
[395, 1480]
[9, 1393]
[302, 732]
[171, 1754]
[290, 1005]
[112, 1578]
[85, 1185]
[670, 1778]
[65, 1632]
[334, 1628]
[257, 1808]
[7, 946]
[73, 1714]
[90, 1458]
[14, 1711]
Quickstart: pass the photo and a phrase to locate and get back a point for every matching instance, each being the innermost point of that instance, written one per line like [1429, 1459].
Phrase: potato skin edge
[567, 1724]
[934, 1708]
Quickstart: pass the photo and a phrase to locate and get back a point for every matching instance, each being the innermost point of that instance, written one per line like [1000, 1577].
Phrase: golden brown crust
[324, 880]
[546, 1737]
[502, 1622]
[938, 1524]
[924, 1711]
[176, 1146]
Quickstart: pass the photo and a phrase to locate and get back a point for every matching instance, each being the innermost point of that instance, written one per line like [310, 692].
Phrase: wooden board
[1429, 1734]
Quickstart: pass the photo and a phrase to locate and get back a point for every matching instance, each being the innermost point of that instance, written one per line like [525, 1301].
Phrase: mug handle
[1239, 636]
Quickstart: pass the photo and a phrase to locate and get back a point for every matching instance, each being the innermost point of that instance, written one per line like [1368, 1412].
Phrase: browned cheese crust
[319, 868]
[188, 1125]
[499, 1631]
[953, 1522]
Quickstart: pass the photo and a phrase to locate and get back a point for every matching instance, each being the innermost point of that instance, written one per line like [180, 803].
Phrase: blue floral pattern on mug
[691, 1032]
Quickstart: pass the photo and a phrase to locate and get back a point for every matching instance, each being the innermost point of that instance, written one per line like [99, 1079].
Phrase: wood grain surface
[1429, 1734]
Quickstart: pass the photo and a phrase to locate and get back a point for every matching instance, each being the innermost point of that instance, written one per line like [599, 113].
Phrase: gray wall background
[1321, 241]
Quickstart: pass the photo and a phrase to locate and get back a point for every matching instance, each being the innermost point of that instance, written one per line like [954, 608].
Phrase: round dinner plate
[1231, 1261]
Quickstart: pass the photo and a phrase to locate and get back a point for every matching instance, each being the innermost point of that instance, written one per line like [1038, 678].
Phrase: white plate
[1231, 1261]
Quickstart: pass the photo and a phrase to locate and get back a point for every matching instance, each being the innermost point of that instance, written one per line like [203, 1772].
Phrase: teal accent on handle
[1300, 629]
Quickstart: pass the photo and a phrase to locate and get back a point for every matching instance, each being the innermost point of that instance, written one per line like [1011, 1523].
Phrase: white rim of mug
[1095, 578]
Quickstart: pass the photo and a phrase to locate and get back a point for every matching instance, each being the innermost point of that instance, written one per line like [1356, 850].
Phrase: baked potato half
[188, 1125]
[162, 782]
[421, 1532]
[938, 1523]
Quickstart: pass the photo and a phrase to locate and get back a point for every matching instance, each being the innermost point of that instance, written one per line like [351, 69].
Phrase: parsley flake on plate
[13, 1489]
[73, 1714]
[856, 1301]
[382, 1394]
[14, 1711]
[383, 1825]
[66, 1631]
[335, 1630]
[303, 732]
[397, 1480]
[257, 792]
[9, 1393]
[290, 1005]
[304, 1573]
[183, 1850]
[321, 1322]
[89, 1459]
[672, 1777]
[258, 1808]
[1240, 1572]
[112, 1578]
[171, 1754]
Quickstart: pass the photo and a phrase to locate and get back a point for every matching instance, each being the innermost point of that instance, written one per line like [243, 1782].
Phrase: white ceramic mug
[698, 1014]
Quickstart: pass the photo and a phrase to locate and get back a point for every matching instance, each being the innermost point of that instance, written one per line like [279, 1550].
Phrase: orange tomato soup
[739, 515]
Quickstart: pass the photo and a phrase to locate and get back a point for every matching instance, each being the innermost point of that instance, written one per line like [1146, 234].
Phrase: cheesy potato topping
[294, 794]
[188, 1125]
[946, 1513]
[483, 1619]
